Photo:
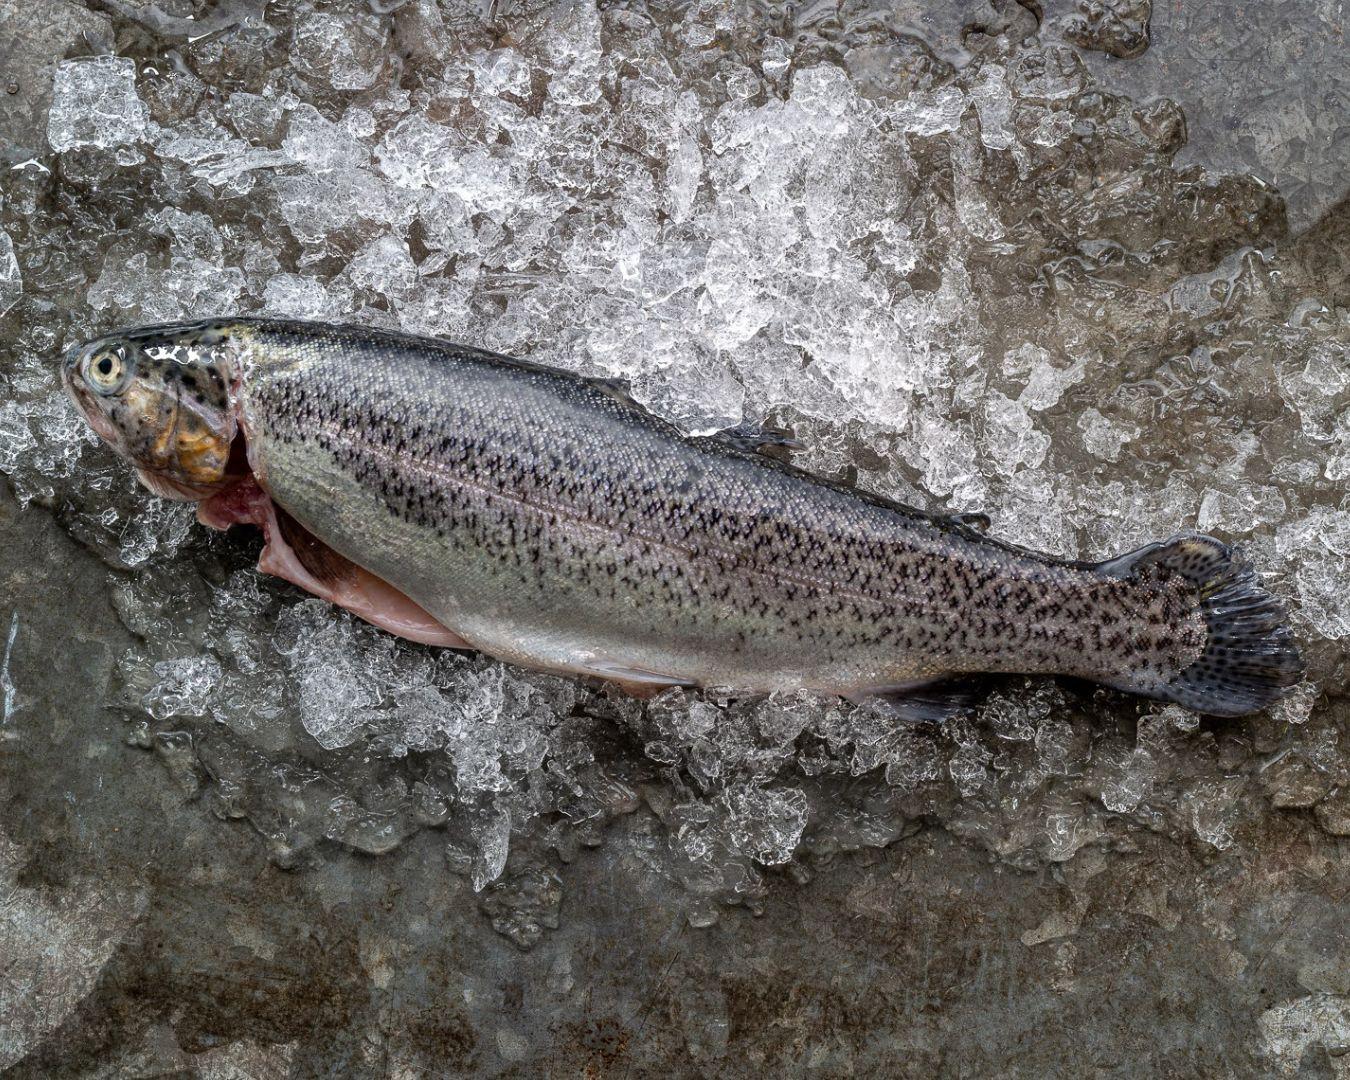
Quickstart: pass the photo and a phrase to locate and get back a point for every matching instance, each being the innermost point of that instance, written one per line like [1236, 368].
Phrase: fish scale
[548, 520]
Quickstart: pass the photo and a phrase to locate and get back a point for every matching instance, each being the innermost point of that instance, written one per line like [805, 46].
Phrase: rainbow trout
[466, 499]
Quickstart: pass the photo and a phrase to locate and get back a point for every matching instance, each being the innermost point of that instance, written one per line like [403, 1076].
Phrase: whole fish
[462, 498]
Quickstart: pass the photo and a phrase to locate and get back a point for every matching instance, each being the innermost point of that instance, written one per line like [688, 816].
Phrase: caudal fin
[1250, 659]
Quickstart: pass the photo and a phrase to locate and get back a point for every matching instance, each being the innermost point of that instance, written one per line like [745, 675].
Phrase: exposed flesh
[318, 569]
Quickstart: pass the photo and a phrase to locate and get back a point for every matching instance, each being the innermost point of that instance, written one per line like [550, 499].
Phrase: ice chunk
[1103, 437]
[335, 685]
[1242, 511]
[775, 57]
[156, 529]
[766, 823]
[492, 833]
[94, 103]
[418, 153]
[1011, 437]
[384, 267]
[574, 55]
[824, 98]
[182, 290]
[1049, 74]
[320, 145]
[993, 101]
[11, 281]
[1117, 27]
[305, 298]
[1318, 548]
[344, 51]
[1213, 808]
[503, 71]
[220, 161]
[969, 766]
[317, 207]
[524, 904]
[932, 112]
[42, 439]
[1131, 783]
[1047, 382]
[185, 687]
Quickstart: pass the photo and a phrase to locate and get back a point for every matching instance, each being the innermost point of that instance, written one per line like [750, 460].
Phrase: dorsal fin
[972, 520]
[773, 442]
[621, 390]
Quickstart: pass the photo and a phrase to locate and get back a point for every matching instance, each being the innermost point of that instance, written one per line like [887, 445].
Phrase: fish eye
[104, 370]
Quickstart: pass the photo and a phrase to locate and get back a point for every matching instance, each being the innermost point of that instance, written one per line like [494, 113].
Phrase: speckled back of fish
[550, 521]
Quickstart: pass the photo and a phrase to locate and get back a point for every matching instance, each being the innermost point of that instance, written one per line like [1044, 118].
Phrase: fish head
[162, 397]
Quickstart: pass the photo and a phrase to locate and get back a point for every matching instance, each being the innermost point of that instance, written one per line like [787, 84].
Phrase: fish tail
[1249, 659]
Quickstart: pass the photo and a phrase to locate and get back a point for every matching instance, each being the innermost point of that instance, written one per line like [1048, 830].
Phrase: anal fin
[324, 564]
[931, 703]
[635, 682]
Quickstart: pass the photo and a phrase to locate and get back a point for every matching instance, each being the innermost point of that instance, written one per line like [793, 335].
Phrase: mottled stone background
[153, 923]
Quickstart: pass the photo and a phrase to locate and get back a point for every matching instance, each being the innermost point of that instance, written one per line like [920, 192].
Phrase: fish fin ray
[976, 520]
[770, 441]
[630, 677]
[621, 390]
[930, 703]
[295, 554]
[324, 564]
[1250, 659]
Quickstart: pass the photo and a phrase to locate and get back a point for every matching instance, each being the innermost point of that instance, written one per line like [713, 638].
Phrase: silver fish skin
[550, 521]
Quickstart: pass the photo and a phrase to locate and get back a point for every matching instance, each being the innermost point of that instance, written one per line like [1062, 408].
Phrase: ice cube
[185, 687]
[502, 71]
[1213, 806]
[775, 57]
[1011, 437]
[320, 145]
[766, 823]
[384, 267]
[1103, 437]
[931, 112]
[1131, 782]
[336, 690]
[491, 830]
[182, 290]
[94, 104]
[341, 51]
[306, 298]
[573, 53]
[993, 102]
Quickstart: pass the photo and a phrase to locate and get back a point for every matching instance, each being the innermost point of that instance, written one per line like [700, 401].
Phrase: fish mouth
[93, 416]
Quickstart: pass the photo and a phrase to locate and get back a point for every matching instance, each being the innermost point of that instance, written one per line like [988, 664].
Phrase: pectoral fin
[295, 554]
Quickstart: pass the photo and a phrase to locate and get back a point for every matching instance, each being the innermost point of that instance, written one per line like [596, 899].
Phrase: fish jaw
[166, 487]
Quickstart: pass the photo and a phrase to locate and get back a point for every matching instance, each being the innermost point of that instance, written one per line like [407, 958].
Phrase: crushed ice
[980, 288]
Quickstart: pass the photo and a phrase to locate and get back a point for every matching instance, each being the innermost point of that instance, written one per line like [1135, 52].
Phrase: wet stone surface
[968, 256]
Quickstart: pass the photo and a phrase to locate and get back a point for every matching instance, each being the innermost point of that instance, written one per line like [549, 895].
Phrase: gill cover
[160, 398]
